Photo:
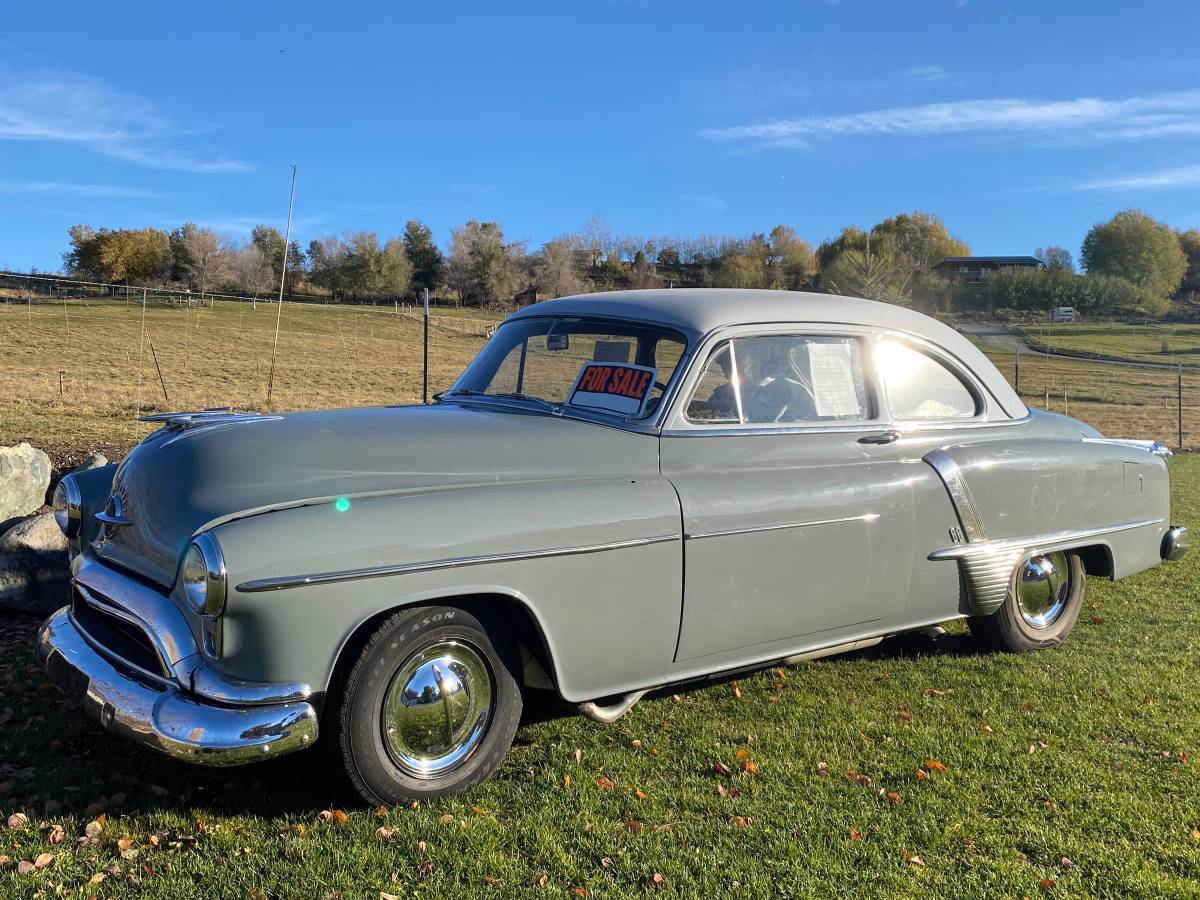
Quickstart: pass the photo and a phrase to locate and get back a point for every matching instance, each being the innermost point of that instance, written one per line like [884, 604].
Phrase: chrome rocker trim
[163, 717]
[294, 581]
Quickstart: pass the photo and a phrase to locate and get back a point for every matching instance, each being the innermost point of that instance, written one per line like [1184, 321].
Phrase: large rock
[24, 478]
[95, 461]
[33, 567]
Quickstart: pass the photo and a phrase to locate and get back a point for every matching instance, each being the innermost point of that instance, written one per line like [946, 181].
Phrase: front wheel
[1041, 607]
[430, 707]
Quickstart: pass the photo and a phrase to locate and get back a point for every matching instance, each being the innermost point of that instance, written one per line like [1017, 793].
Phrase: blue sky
[1019, 123]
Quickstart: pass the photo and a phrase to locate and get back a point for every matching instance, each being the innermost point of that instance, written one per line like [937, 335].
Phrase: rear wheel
[1042, 605]
[431, 706]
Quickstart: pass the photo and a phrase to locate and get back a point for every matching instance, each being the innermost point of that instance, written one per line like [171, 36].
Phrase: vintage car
[621, 492]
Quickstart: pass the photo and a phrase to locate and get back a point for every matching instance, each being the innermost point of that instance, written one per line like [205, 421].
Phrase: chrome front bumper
[163, 717]
[125, 652]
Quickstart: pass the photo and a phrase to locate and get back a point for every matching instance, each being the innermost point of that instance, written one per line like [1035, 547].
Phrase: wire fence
[75, 372]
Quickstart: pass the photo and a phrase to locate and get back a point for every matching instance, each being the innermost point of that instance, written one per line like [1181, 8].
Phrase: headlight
[66, 506]
[202, 576]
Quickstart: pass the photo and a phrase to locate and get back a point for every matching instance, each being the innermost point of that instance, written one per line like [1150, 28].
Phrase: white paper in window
[832, 368]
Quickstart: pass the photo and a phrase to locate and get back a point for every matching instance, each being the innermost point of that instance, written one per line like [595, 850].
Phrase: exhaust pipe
[606, 715]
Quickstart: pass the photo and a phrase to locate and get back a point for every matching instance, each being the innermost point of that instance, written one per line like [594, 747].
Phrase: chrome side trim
[906, 428]
[988, 566]
[294, 581]
[960, 494]
[700, 535]
[1039, 541]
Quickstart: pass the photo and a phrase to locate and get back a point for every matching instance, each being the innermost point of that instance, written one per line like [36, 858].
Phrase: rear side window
[919, 386]
[782, 379]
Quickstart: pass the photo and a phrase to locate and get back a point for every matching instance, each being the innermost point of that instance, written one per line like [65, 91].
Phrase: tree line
[1130, 264]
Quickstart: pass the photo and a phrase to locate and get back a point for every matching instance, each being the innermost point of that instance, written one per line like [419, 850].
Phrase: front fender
[598, 563]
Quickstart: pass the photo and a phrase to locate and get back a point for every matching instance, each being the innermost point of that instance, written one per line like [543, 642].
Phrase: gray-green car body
[627, 552]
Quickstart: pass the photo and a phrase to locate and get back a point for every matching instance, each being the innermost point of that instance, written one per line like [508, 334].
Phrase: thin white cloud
[79, 110]
[926, 74]
[76, 190]
[1094, 118]
[1180, 176]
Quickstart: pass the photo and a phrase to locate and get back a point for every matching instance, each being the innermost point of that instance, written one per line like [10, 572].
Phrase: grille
[112, 632]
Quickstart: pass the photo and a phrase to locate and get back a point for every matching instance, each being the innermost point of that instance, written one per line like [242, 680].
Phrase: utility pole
[287, 237]
[425, 361]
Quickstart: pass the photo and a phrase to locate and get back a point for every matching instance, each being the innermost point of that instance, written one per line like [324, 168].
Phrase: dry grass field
[70, 378]
[75, 374]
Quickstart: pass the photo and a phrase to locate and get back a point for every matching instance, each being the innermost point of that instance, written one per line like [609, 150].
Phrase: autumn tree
[207, 260]
[251, 270]
[481, 267]
[1055, 258]
[1133, 246]
[555, 273]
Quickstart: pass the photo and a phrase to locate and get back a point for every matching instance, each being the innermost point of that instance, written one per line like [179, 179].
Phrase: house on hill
[980, 268]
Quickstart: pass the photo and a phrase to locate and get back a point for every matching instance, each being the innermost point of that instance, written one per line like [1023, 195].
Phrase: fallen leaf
[479, 810]
[578, 755]
[894, 796]
[541, 880]
[447, 819]
[580, 892]
[742, 753]
[339, 817]
[488, 879]
[605, 784]
[904, 716]
[749, 766]
[43, 860]
[721, 769]
[606, 862]
[913, 859]
[325, 815]
[566, 781]
[384, 895]
[859, 779]
[92, 829]
[934, 766]
[855, 834]
[383, 833]
[632, 825]
[641, 795]
[1049, 884]
[657, 880]
[18, 820]
[822, 768]
[985, 728]
[635, 744]
[722, 791]
[1097, 620]
[422, 846]
[1066, 863]
[57, 834]
[934, 692]
[922, 775]
[24, 867]
[739, 821]
[381, 811]
[97, 878]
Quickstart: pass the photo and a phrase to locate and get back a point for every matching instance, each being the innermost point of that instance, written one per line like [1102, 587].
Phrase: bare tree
[555, 272]
[207, 260]
[252, 270]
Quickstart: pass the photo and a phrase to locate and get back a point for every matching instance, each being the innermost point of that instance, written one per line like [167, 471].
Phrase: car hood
[177, 483]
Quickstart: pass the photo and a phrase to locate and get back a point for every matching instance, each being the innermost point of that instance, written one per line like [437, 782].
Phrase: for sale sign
[615, 387]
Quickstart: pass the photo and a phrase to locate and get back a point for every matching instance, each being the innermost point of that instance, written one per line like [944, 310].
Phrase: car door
[796, 509]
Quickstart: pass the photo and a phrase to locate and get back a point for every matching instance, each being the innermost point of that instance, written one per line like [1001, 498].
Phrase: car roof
[702, 310]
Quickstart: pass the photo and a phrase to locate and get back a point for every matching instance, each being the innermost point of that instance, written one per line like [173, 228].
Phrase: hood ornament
[113, 516]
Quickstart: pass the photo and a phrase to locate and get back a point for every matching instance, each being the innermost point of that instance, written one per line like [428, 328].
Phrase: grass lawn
[1141, 343]
[1072, 772]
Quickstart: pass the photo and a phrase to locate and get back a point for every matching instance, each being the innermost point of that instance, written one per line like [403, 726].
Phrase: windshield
[618, 368]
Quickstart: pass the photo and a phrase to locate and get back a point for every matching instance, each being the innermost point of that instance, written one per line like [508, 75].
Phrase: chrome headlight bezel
[202, 576]
[67, 505]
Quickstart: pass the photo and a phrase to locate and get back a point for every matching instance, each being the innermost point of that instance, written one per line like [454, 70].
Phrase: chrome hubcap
[437, 708]
[1043, 588]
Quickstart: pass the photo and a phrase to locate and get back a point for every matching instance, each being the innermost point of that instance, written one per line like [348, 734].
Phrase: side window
[783, 379]
[920, 387]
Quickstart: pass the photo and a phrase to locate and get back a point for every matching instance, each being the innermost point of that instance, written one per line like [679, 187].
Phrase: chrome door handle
[883, 437]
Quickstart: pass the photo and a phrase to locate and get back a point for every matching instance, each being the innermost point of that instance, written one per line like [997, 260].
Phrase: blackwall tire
[430, 707]
[1041, 608]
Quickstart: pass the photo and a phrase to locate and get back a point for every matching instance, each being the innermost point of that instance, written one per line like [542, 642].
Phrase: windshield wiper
[545, 404]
